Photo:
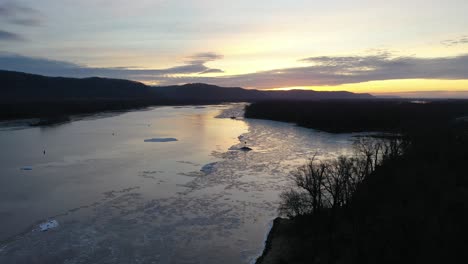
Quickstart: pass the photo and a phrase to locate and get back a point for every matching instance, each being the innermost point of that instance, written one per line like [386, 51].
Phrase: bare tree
[394, 147]
[369, 149]
[338, 181]
[332, 184]
[294, 203]
[311, 178]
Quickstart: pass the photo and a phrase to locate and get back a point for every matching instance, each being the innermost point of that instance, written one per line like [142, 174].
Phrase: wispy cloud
[16, 13]
[201, 58]
[458, 41]
[327, 71]
[12, 13]
[43, 66]
[10, 36]
[212, 71]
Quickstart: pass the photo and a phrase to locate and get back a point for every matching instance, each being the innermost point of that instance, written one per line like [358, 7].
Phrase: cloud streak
[318, 71]
[48, 67]
[12, 13]
[18, 14]
[9, 36]
[328, 71]
[204, 57]
[453, 42]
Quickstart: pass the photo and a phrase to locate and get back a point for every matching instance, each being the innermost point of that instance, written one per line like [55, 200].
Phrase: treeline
[325, 184]
[55, 109]
[339, 116]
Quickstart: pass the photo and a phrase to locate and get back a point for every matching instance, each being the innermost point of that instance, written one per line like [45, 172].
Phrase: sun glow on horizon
[389, 86]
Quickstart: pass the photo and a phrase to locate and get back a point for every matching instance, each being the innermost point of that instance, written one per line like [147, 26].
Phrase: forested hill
[24, 87]
[21, 87]
[201, 91]
[24, 95]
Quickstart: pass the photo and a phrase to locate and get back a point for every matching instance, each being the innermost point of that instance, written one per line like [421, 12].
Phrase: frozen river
[162, 185]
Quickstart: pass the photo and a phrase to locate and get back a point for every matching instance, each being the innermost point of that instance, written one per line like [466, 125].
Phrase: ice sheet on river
[236, 111]
[220, 216]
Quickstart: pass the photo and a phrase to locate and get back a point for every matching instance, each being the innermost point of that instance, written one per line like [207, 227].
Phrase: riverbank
[276, 243]
[347, 116]
[412, 209]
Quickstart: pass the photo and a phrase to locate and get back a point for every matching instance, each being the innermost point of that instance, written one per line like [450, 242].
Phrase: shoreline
[273, 238]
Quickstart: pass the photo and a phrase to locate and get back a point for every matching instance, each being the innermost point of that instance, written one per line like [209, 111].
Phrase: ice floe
[48, 225]
[208, 168]
[160, 140]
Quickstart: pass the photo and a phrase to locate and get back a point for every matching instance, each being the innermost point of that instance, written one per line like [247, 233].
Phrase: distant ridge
[25, 87]
[24, 95]
[201, 91]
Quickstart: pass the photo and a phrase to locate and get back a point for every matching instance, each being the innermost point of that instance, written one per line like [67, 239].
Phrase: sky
[399, 47]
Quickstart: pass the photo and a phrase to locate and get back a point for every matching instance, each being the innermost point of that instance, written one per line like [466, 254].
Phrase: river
[160, 185]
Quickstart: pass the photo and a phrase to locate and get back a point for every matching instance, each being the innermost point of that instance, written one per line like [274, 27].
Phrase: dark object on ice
[245, 148]
[233, 117]
[43, 151]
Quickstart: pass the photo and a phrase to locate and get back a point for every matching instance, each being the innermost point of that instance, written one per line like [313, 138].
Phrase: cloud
[212, 71]
[14, 13]
[318, 71]
[459, 41]
[328, 71]
[48, 67]
[9, 36]
[26, 21]
[201, 58]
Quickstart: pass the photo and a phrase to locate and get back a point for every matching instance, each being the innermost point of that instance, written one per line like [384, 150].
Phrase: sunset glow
[261, 44]
[390, 86]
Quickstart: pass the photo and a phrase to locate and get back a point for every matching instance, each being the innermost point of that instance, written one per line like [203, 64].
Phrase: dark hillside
[206, 92]
[23, 87]
[413, 208]
[26, 95]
